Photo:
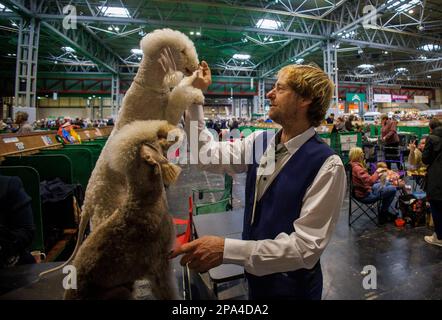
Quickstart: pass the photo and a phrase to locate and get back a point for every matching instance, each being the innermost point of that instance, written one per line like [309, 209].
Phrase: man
[291, 211]
[432, 156]
[390, 139]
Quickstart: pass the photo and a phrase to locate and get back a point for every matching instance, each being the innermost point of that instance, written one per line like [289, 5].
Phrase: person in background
[291, 208]
[415, 155]
[16, 223]
[21, 119]
[390, 139]
[368, 187]
[330, 119]
[432, 156]
[349, 123]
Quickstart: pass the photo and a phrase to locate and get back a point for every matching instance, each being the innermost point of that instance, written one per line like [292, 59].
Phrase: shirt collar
[296, 142]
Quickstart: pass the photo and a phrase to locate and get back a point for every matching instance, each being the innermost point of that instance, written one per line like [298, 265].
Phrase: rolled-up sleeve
[313, 229]
[208, 153]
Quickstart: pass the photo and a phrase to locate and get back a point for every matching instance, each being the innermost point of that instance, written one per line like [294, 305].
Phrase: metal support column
[370, 96]
[261, 95]
[26, 66]
[331, 68]
[115, 98]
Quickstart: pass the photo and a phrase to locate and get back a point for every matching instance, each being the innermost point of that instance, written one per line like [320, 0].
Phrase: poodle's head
[182, 49]
[138, 151]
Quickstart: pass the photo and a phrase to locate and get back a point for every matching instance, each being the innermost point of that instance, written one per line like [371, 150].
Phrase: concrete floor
[406, 266]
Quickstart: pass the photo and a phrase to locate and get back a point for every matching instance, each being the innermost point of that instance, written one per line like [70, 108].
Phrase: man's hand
[201, 254]
[204, 77]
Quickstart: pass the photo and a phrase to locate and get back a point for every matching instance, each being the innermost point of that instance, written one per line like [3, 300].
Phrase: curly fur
[148, 98]
[135, 241]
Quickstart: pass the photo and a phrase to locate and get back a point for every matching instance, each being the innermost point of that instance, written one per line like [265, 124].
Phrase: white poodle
[167, 55]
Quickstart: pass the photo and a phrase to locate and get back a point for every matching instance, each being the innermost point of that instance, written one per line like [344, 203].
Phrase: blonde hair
[355, 155]
[309, 81]
[381, 165]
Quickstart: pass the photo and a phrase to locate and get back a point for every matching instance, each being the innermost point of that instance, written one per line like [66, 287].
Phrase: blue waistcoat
[275, 212]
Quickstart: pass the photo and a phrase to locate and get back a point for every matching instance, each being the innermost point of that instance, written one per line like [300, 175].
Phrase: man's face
[283, 101]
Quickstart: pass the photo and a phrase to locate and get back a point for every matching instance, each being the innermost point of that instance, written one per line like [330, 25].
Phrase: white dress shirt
[317, 220]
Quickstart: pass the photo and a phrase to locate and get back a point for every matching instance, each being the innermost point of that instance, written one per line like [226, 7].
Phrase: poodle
[167, 55]
[135, 241]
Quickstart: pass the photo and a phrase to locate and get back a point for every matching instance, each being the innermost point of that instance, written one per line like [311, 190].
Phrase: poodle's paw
[197, 97]
[187, 81]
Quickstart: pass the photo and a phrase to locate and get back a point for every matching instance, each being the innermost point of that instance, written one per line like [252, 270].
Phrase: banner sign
[399, 97]
[420, 99]
[382, 98]
[355, 97]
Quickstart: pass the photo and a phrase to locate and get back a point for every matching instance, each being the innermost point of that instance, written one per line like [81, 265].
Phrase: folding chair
[221, 205]
[370, 209]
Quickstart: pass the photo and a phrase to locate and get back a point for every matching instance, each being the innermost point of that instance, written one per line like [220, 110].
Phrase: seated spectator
[21, 119]
[367, 187]
[16, 223]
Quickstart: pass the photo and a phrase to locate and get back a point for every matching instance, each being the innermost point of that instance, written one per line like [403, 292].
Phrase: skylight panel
[268, 24]
[117, 12]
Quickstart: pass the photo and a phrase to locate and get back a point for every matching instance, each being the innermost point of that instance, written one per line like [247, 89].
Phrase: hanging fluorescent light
[268, 24]
[299, 61]
[241, 56]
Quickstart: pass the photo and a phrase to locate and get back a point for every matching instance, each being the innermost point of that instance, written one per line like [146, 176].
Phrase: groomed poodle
[167, 56]
[135, 241]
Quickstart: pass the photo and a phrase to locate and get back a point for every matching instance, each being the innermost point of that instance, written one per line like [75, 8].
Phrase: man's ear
[305, 102]
[148, 154]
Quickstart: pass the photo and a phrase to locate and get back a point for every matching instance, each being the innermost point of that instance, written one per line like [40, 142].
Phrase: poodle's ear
[149, 155]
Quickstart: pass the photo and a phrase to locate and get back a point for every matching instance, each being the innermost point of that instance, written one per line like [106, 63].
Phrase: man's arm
[301, 249]
[205, 150]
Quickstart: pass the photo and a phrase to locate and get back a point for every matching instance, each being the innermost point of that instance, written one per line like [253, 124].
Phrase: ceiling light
[117, 29]
[4, 9]
[411, 11]
[241, 56]
[401, 69]
[268, 24]
[299, 61]
[198, 33]
[68, 49]
[136, 51]
[429, 77]
[192, 33]
[365, 66]
[119, 12]
[430, 47]
[109, 28]
[385, 52]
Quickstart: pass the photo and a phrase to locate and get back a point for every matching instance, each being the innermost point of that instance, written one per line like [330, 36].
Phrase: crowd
[21, 125]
